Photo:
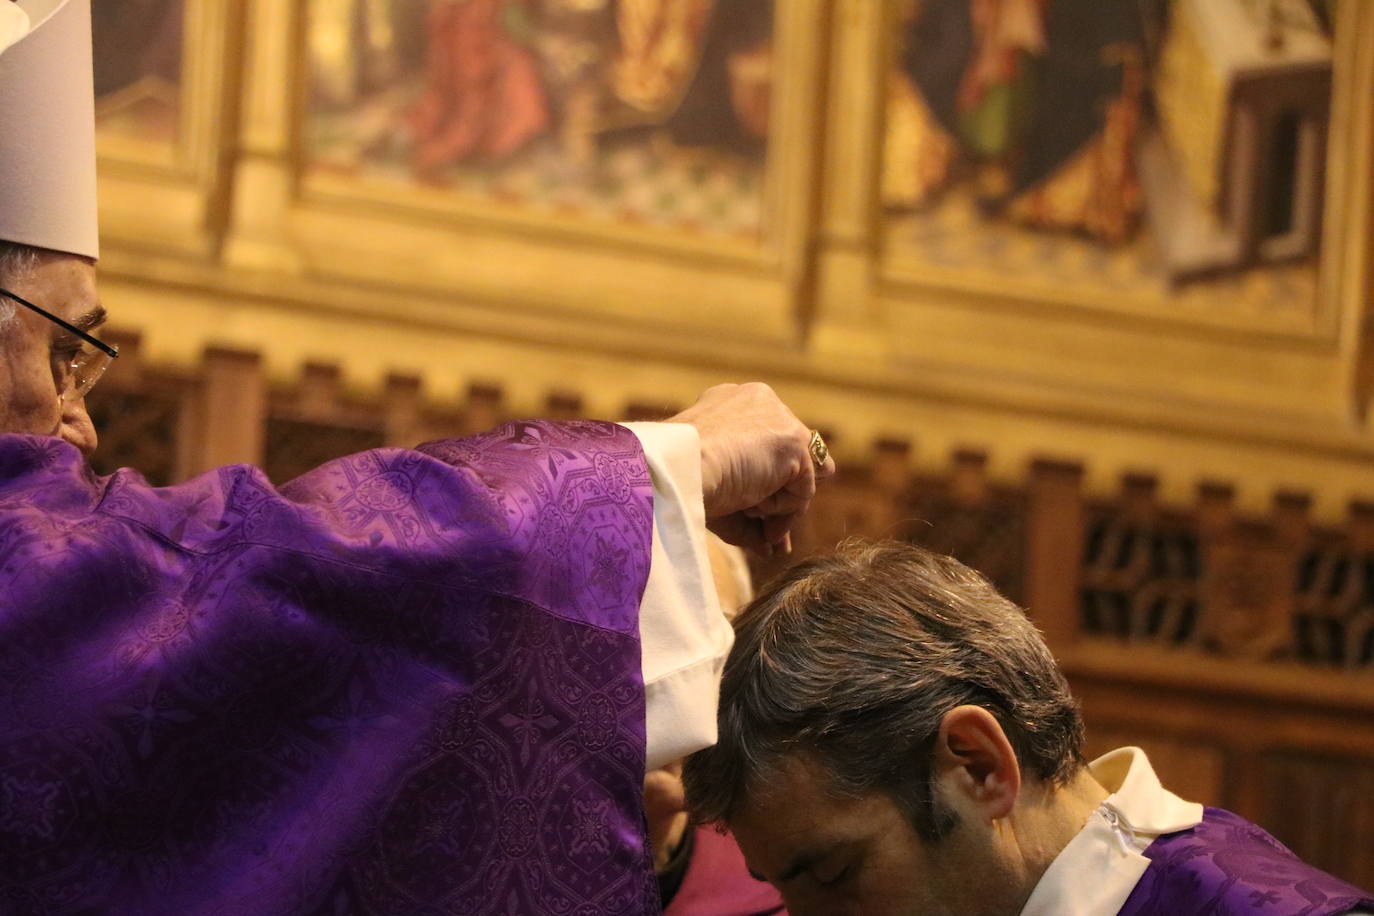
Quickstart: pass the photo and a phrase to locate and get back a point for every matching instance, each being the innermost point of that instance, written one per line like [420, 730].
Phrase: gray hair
[16, 260]
[853, 659]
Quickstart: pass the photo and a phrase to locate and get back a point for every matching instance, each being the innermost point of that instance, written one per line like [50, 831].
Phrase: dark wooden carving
[1248, 577]
[1237, 650]
[138, 429]
[980, 524]
[1334, 619]
[1141, 571]
[297, 446]
[1322, 806]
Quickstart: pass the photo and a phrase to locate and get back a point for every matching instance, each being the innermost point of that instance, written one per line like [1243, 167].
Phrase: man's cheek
[28, 399]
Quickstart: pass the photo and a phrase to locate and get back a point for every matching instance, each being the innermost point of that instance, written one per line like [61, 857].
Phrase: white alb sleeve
[684, 637]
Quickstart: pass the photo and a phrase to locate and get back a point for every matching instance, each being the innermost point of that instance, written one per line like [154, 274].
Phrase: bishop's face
[32, 347]
[831, 856]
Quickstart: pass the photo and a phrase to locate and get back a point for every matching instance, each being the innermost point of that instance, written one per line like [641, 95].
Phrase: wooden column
[968, 482]
[484, 409]
[847, 320]
[402, 406]
[1054, 550]
[320, 390]
[564, 405]
[800, 50]
[263, 187]
[1361, 526]
[231, 411]
[1348, 226]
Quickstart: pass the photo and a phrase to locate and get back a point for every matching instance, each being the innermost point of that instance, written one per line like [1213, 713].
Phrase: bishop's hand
[758, 476]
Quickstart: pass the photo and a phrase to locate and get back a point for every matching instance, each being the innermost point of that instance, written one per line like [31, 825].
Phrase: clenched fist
[757, 473]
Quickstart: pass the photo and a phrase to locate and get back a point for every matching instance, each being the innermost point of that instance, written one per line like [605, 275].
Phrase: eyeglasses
[77, 376]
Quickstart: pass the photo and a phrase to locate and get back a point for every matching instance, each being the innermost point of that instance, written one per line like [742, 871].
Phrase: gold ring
[819, 453]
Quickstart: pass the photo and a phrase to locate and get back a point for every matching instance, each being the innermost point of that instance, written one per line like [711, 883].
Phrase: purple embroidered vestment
[407, 682]
[1227, 866]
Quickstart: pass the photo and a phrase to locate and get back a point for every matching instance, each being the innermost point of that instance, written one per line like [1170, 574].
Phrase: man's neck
[1047, 819]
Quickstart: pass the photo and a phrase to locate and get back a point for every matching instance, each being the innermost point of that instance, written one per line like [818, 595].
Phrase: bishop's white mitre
[47, 126]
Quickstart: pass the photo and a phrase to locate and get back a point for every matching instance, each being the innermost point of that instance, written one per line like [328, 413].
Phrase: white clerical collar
[1096, 872]
[1137, 795]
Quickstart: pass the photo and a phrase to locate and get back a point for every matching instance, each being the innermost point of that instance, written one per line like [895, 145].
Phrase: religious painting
[138, 68]
[640, 112]
[1158, 150]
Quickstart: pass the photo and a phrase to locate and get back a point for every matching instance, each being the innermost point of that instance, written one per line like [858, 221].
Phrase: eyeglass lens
[83, 372]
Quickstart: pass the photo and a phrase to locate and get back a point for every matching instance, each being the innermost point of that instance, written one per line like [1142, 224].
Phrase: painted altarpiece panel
[644, 113]
[607, 159]
[1165, 155]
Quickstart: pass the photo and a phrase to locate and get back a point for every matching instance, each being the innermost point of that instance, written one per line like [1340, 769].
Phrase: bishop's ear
[975, 761]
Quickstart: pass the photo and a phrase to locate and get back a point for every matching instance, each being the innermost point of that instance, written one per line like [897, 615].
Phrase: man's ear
[974, 760]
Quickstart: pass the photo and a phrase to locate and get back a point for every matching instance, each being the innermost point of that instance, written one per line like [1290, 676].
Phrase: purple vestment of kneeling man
[1227, 866]
[408, 682]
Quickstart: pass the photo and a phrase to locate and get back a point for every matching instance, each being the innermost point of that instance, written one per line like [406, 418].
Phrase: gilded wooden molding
[320, 270]
[408, 238]
[170, 196]
[1061, 348]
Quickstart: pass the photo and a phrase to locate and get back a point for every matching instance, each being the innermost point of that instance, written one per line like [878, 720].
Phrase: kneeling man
[896, 738]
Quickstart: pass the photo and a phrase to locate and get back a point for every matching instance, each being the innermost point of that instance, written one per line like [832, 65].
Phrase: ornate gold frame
[169, 195]
[371, 232]
[251, 256]
[988, 340]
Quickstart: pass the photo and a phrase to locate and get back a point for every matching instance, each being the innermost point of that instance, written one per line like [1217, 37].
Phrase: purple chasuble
[408, 682]
[1227, 866]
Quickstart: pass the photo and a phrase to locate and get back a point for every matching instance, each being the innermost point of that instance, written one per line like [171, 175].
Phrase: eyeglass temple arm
[110, 349]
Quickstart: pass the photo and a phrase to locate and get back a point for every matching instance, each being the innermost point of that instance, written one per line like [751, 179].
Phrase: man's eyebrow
[798, 865]
[92, 319]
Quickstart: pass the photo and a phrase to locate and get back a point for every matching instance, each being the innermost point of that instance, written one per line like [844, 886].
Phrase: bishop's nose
[77, 427]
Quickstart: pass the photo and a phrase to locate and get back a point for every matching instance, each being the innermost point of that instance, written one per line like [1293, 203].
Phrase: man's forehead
[781, 783]
[789, 813]
[63, 285]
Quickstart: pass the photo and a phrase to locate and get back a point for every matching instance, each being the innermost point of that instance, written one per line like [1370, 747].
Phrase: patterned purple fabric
[409, 682]
[1227, 866]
